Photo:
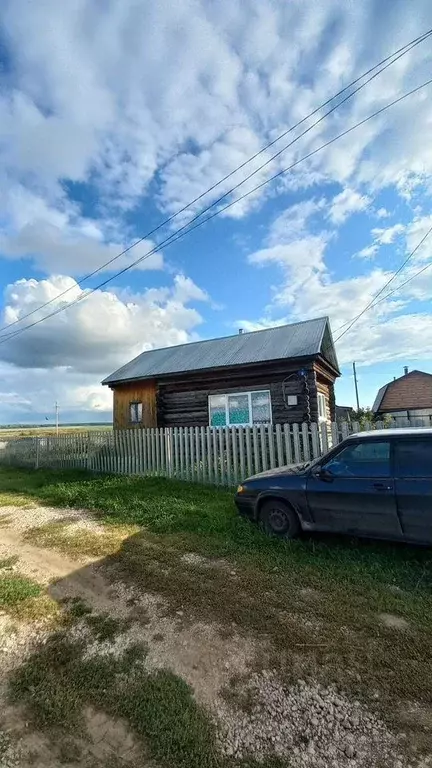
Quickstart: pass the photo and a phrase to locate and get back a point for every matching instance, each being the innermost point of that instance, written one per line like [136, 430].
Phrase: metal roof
[311, 337]
[396, 432]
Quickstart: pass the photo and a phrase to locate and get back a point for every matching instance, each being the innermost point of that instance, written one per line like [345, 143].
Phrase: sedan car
[375, 484]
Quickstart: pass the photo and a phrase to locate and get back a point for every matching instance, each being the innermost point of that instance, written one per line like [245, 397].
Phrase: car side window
[413, 458]
[363, 459]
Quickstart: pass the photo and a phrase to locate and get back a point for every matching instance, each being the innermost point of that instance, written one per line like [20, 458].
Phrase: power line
[186, 229]
[402, 285]
[388, 61]
[371, 303]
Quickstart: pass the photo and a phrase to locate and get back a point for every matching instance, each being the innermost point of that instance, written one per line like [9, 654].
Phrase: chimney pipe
[405, 370]
[240, 331]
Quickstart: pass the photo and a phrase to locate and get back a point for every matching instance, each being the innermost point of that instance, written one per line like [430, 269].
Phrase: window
[240, 409]
[364, 459]
[218, 407]
[322, 407]
[135, 413]
[413, 458]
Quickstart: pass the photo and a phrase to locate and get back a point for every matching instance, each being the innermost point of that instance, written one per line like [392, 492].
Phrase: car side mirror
[323, 474]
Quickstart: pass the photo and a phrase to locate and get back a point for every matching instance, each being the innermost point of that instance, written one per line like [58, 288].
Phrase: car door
[413, 486]
[354, 491]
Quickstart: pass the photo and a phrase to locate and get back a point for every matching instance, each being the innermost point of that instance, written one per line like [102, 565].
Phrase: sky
[116, 115]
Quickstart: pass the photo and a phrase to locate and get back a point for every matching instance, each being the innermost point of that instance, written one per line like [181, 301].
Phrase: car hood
[289, 469]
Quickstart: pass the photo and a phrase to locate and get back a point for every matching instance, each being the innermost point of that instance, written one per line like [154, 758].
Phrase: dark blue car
[375, 484]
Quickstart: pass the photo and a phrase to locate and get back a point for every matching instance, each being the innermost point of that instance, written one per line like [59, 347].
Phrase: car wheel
[278, 519]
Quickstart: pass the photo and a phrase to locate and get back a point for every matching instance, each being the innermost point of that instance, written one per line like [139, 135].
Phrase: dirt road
[253, 713]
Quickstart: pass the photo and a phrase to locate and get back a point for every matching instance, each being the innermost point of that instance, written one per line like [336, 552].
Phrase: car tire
[279, 519]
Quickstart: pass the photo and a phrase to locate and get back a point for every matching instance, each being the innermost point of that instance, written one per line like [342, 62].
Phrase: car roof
[401, 432]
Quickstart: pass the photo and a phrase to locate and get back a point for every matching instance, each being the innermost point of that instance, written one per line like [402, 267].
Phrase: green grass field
[50, 431]
[319, 601]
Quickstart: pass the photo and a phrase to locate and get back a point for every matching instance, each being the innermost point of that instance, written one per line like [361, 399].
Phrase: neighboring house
[410, 397]
[277, 375]
[344, 413]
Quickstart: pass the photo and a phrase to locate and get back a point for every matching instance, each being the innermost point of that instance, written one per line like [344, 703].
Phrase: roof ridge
[246, 347]
[234, 335]
[222, 338]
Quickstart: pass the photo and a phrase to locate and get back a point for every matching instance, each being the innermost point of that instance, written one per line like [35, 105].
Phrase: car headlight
[241, 489]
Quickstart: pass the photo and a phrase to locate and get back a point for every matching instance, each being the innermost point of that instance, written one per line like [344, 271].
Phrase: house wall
[139, 392]
[325, 384]
[410, 392]
[184, 402]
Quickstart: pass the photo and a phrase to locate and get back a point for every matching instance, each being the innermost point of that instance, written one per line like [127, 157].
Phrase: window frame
[403, 441]
[249, 394]
[321, 395]
[136, 403]
[354, 444]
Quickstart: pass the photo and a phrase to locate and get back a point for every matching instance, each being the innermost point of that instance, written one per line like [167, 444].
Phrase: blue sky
[114, 117]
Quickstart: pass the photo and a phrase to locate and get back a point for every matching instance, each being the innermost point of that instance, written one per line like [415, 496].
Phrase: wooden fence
[213, 456]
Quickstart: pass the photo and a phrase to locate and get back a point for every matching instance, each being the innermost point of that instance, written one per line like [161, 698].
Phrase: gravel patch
[10, 753]
[191, 558]
[313, 725]
[23, 518]
[393, 621]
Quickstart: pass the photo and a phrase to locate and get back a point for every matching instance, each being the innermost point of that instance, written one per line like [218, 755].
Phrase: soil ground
[123, 646]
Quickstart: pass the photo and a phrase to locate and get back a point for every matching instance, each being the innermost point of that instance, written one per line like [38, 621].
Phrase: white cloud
[388, 235]
[368, 253]
[80, 396]
[309, 289]
[418, 230]
[54, 235]
[382, 213]
[228, 79]
[346, 203]
[100, 333]
[76, 248]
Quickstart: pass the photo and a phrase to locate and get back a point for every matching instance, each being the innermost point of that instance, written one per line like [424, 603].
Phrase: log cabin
[276, 375]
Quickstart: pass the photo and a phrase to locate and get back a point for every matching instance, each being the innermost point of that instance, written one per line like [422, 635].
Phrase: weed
[15, 500]
[8, 562]
[15, 589]
[77, 608]
[78, 542]
[104, 627]
[24, 599]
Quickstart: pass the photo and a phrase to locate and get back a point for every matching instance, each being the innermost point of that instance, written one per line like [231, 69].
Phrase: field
[151, 613]
[50, 431]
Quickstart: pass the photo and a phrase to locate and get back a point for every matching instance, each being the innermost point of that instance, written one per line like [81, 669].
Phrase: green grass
[204, 520]
[79, 542]
[316, 599]
[24, 599]
[15, 589]
[58, 682]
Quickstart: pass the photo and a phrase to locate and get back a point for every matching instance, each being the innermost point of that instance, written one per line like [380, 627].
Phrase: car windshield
[308, 464]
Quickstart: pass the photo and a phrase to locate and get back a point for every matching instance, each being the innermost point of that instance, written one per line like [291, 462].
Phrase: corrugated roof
[379, 398]
[295, 340]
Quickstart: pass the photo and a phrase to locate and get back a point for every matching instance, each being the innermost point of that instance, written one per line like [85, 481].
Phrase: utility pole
[57, 418]
[356, 386]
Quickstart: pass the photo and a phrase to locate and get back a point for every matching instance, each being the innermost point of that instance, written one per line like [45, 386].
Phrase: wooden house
[409, 397]
[276, 375]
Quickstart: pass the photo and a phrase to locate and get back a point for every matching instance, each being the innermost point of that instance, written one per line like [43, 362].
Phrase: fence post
[324, 437]
[37, 453]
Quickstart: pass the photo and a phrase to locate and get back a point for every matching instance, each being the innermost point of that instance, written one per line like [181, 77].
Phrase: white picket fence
[198, 454]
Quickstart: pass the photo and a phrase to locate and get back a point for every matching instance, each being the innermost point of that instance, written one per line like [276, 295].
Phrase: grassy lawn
[321, 602]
